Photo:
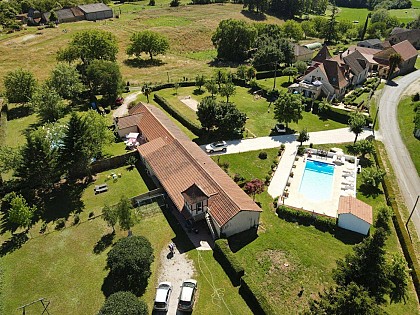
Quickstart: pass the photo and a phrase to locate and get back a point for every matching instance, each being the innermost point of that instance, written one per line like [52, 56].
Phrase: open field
[189, 29]
[405, 119]
[352, 14]
[310, 254]
[405, 15]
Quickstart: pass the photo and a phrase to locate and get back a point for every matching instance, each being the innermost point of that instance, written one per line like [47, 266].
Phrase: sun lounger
[334, 158]
[343, 159]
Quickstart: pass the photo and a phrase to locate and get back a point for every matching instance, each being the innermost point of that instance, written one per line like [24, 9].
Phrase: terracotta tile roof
[405, 49]
[322, 55]
[179, 163]
[348, 204]
[356, 62]
[128, 121]
[335, 74]
[366, 52]
[150, 147]
[194, 194]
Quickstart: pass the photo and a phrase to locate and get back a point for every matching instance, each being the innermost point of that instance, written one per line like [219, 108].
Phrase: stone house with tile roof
[399, 35]
[196, 186]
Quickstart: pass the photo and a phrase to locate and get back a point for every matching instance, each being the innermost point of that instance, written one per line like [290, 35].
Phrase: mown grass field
[405, 113]
[310, 254]
[259, 112]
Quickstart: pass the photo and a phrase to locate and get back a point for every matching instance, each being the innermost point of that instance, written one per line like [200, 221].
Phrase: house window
[199, 207]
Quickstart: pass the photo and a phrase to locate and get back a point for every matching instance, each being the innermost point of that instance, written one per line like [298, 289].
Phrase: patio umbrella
[133, 135]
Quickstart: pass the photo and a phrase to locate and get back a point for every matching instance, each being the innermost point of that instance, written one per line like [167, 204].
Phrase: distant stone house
[196, 186]
[408, 58]
[399, 35]
[68, 15]
[96, 11]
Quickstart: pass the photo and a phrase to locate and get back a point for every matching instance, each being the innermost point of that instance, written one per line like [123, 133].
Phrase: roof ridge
[146, 105]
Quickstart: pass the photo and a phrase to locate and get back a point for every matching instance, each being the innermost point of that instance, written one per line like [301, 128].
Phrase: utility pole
[412, 211]
[275, 75]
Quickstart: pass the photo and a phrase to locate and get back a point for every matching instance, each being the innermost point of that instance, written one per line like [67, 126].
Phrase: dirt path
[123, 110]
[175, 269]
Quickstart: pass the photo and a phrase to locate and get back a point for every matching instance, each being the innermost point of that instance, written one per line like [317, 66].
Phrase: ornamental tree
[255, 186]
[48, 104]
[19, 212]
[65, 79]
[356, 123]
[303, 136]
[288, 108]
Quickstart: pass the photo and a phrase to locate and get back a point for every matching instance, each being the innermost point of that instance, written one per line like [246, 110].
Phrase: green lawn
[260, 115]
[16, 127]
[405, 119]
[352, 14]
[416, 4]
[310, 254]
[405, 15]
[282, 83]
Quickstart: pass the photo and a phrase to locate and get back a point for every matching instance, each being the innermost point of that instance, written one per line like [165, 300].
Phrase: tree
[241, 72]
[398, 276]
[301, 66]
[148, 42]
[308, 29]
[123, 303]
[90, 45]
[19, 212]
[230, 120]
[365, 147]
[293, 30]
[110, 216]
[366, 266]
[288, 108]
[19, 86]
[220, 77]
[211, 87]
[38, 167]
[129, 263]
[363, 30]
[382, 219]
[125, 215]
[255, 186]
[228, 89]
[65, 79]
[287, 8]
[303, 136]
[290, 71]
[104, 77]
[260, 5]
[356, 123]
[48, 104]
[372, 177]
[345, 300]
[233, 38]
[251, 73]
[394, 61]
[200, 80]
[324, 107]
[10, 158]
[97, 134]
[331, 29]
[272, 50]
[207, 111]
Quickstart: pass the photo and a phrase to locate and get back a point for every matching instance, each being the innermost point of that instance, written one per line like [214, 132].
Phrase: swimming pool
[317, 180]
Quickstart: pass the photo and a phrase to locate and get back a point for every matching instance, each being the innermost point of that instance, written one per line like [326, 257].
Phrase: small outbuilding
[96, 11]
[354, 215]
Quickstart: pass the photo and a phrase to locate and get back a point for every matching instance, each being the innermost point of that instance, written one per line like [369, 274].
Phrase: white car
[216, 146]
[187, 295]
[163, 294]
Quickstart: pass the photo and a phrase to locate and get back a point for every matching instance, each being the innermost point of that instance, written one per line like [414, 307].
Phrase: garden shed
[96, 11]
[354, 215]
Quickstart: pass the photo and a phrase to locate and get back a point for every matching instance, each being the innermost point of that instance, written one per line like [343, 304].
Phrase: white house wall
[123, 132]
[350, 222]
[243, 221]
[317, 73]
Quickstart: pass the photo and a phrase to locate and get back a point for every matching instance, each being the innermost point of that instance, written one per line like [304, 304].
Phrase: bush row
[3, 121]
[306, 218]
[193, 126]
[171, 85]
[229, 263]
[253, 296]
[399, 225]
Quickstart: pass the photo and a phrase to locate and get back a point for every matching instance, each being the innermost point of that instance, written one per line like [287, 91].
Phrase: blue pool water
[317, 180]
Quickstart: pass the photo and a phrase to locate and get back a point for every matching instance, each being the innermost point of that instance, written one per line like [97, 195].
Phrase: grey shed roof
[372, 41]
[94, 7]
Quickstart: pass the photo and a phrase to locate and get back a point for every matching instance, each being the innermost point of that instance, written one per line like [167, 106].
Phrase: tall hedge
[228, 261]
[254, 298]
[193, 126]
[399, 225]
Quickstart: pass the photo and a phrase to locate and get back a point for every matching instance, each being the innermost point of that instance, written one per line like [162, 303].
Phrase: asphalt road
[407, 176]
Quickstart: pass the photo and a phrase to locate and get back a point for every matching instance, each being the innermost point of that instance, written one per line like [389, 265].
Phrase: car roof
[162, 291]
[187, 292]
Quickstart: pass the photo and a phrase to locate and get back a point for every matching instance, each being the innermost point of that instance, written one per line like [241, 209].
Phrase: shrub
[152, 3]
[305, 218]
[415, 97]
[228, 261]
[262, 155]
[301, 150]
[282, 147]
[123, 303]
[238, 178]
[76, 219]
[267, 179]
[91, 214]
[174, 3]
[60, 224]
[255, 299]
